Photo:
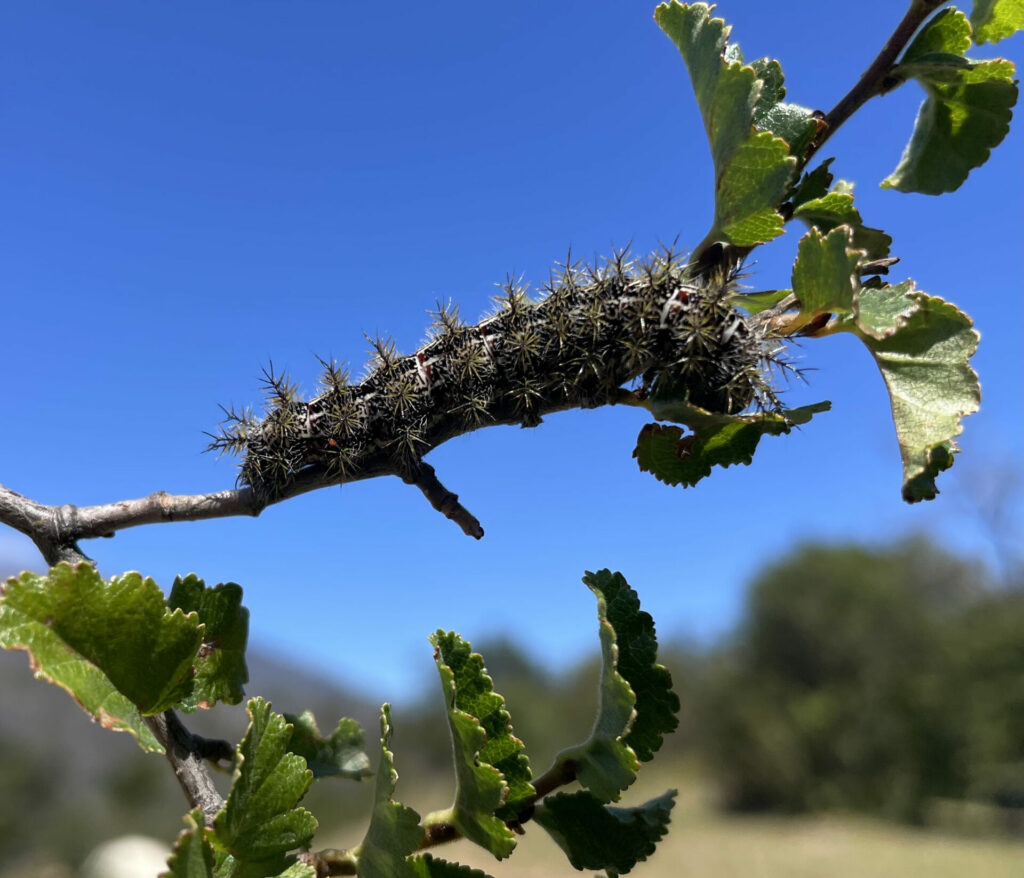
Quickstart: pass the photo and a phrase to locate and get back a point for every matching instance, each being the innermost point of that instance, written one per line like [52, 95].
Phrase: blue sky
[192, 190]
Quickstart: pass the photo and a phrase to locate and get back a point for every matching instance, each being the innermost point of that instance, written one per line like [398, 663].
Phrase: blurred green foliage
[886, 680]
[880, 680]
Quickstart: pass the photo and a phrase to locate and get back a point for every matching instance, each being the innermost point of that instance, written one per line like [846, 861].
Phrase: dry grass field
[702, 843]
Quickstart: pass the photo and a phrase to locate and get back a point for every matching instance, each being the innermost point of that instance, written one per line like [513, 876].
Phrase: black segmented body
[595, 330]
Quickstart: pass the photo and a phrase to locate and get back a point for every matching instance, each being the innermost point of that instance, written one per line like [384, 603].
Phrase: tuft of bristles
[594, 329]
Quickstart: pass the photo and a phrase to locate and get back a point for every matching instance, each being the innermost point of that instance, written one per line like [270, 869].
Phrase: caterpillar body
[595, 329]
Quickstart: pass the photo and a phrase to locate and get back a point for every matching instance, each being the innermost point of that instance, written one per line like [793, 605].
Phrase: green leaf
[965, 115]
[598, 836]
[752, 168]
[340, 755]
[605, 763]
[754, 303]
[656, 704]
[192, 856]
[113, 646]
[475, 696]
[813, 184]
[995, 20]
[717, 440]
[750, 188]
[836, 209]
[946, 33]
[427, 866]
[922, 346]
[394, 831]
[260, 822]
[793, 123]
[825, 272]
[220, 666]
[481, 789]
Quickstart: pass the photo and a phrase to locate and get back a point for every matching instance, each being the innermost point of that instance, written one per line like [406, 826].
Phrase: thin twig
[875, 79]
[443, 500]
[187, 754]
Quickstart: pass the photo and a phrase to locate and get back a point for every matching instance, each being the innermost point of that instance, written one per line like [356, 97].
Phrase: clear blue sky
[193, 189]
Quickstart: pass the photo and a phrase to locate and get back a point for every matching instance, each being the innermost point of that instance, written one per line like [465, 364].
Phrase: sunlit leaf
[481, 788]
[656, 705]
[995, 20]
[825, 272]
[475, 696]
[965, 115]
[114, 646]
[220, 670]
[836, 209]
[922, 346]
[260, 822]
[753, 166]
[394, 831]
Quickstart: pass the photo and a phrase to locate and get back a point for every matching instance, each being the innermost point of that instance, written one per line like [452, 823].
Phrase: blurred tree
[875, 679]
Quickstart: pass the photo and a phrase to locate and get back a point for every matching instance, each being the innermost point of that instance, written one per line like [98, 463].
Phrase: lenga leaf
[113, 646]
[965, 115]
[656, 704]
[260, 822]
[475, 696]
[636, 703]
[922, 346]
[995, 20]
[481, 788]
[598, 836]
[220, 666]
[340, 755]
[676, 458]
[742, 117]
[394, 831]
[193, 854]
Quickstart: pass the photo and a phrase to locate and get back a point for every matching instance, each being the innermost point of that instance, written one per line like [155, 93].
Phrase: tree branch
[187, 753]
[874, 81]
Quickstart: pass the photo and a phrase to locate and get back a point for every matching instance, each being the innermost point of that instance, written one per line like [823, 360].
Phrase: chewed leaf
[114, 646]
[636, 703]
[394, 831]
[716, 440]
[260, 822]
[193, 854]
[605, 764]
[598, 836]
[965, 115]
[220, 665]
[922, 346]
[995, 20]
[753, 166]
[656, 704]
[475, 696]
[340, 755]
[481, 787]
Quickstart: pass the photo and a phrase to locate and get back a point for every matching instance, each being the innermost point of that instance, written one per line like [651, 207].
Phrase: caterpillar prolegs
[595, 329]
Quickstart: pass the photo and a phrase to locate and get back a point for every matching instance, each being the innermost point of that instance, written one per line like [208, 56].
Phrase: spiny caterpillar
[595, 329]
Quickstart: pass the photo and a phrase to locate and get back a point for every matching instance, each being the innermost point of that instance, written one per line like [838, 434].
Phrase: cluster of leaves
[760, 144]
[124, 653]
